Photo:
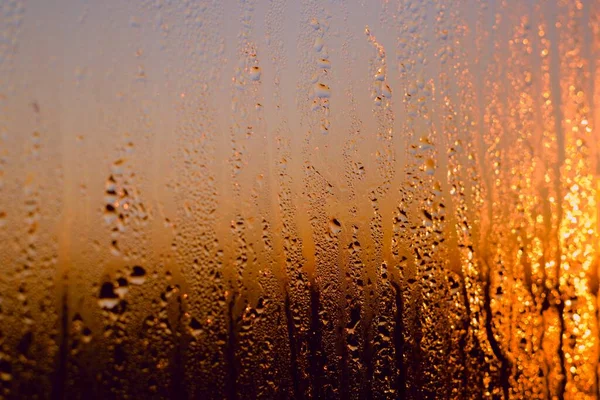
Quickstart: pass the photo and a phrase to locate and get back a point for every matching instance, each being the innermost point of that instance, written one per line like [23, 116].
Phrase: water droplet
[114, 248]
[335, 226]
[325, 125]
[314, 23]
[425, 143]
[137, 276]
[428, 221]
[430, 166]
[437, 188]
[255, 72]
[411, 90]
[324, 63]
[5, 371]
[122, 288]
[386, 91]
[108, 299]
[318, 46]
[86, 335]
[195, 327]
[118, 166]
[110, 213]
[322, 90]
[316, 105]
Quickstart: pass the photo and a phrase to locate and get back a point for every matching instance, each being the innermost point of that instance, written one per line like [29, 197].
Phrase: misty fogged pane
[283, 199]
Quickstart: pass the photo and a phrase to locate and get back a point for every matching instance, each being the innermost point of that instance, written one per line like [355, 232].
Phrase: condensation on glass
[299, 199]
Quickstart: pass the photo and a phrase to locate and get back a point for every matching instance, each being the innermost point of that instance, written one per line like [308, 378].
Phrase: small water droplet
[325, 124]
[122, 288]
[425, 143]
[335, 226]
[316, 105]
[322, 90]
[195, 327]
[318, 46]
[430, 166]
[386, 91]
[324, 63]
[255, 72]
[315, 24]
[86, 335]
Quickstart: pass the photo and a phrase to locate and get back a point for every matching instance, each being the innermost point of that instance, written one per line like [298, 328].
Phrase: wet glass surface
[299, 199]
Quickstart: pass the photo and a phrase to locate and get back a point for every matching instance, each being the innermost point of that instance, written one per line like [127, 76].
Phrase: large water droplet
[137, 276]
[108, 299]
